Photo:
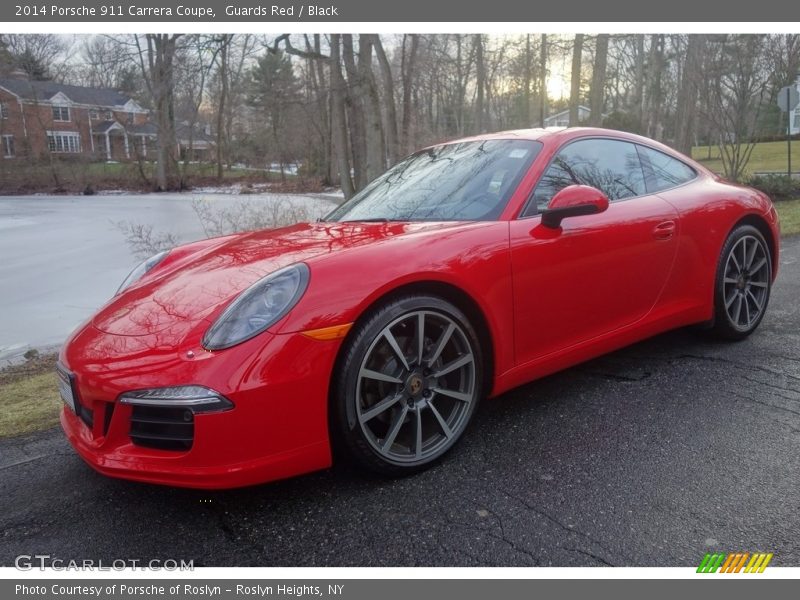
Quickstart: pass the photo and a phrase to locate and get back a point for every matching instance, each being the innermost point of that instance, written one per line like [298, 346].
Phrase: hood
[180, 293]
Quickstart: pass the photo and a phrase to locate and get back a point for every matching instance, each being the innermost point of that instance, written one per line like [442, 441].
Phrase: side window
[557, 177]
[663, 172]
[611, 166]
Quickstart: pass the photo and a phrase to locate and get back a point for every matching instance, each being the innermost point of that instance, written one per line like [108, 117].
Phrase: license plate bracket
[66, 388]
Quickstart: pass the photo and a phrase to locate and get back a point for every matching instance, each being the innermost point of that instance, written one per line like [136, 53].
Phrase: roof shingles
[44, 90]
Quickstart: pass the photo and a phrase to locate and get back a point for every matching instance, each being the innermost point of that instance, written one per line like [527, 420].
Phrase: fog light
[195, 398]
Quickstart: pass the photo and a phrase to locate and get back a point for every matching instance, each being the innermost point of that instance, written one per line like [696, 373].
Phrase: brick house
[37, 117]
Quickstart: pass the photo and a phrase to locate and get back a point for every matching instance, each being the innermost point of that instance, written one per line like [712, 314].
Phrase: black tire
[743, 284]
[418, 404]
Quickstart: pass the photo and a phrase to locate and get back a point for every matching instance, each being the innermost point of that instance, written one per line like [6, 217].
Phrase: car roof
[556, 136]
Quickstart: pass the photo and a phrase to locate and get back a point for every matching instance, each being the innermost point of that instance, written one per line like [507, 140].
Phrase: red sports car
[465, 270]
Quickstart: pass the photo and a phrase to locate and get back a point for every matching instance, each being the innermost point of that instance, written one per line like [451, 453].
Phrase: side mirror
[574, 201]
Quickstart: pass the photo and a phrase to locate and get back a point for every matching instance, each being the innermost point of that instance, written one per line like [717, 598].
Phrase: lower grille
[109, 412]
[162, 427]
[86, 415]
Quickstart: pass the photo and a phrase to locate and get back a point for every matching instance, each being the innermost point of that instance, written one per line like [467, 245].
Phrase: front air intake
[163, 428]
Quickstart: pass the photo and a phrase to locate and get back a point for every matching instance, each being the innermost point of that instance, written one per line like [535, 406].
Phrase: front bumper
[277, 428]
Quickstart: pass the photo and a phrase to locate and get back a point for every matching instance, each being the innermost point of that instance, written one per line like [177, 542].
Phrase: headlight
[258, 307]
[142, 268]
[192, 397]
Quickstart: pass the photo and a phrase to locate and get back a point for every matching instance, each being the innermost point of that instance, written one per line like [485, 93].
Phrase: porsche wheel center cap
[414, 384]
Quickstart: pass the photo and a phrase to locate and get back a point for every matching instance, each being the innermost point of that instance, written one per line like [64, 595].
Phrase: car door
[598, 272]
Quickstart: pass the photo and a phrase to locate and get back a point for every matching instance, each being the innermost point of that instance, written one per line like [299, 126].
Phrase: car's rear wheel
[410, 379]
[744, 278]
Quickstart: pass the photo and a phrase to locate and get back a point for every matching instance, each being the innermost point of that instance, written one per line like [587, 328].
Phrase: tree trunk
[354, 100]
[326, 109]
[408, 71]
[575, 81]
[638, 84]
[158, 75]
[597, 92]
[654, 95]
[375, 163]
[223, 96]
[480, 83]
[392, 140]
[543, 80]
[686, 109]
[338, 116]
[526, 84]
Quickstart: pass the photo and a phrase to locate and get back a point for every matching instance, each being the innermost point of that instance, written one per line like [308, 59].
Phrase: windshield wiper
[372, 220]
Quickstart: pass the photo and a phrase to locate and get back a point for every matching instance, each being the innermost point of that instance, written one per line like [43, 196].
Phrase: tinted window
[466, 181]
[609, 165]
[663, 172]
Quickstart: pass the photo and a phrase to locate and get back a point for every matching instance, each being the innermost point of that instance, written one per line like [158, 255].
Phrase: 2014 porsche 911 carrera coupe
[467, 269]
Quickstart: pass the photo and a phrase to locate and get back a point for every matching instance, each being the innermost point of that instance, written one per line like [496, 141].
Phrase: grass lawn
[789, 213]
[769, 156]
[29, 403]
[29, 399]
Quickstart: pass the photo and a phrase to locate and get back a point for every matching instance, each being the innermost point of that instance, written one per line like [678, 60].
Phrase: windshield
[467, 181]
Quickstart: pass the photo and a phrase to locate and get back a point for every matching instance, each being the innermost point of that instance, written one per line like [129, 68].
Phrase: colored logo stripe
[758, 563]
[711, 563]
[734, 562]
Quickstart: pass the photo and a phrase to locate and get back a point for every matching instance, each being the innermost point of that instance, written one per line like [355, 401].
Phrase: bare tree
[408, 66]
[597, 91]
[527, 77]
[654, 100]
[575, 80]
[686, 110]
[156, 60]
[362, 101]
[224, 80]
[734, 91]
[375, 162]
[480, 82]
[106, 62]
[40, 55]
[543, 80]
[392, 136]
[338, 116]
[783, 52]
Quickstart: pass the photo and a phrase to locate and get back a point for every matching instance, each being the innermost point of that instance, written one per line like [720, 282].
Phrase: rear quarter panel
[708, 209]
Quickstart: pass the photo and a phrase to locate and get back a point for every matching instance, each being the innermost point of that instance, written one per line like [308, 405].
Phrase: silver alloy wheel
[416, 387]
[745, 282]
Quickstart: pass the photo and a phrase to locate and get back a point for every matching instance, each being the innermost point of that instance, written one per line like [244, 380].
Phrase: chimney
[18, 74]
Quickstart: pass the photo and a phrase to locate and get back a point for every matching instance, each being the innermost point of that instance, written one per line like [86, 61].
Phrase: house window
[130, 118]
[61, 113]
[109, 116]
[94, 115]
[63, 141]
[8, 146]
[4, 110]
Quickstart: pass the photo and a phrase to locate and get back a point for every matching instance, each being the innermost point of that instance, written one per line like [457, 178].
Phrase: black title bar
[443, 11]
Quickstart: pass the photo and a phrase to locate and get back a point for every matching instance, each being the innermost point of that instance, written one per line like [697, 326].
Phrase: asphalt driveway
[650, 456]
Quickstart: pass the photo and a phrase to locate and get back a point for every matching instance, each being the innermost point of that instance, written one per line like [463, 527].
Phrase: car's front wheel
[744, 278]
[409, 382]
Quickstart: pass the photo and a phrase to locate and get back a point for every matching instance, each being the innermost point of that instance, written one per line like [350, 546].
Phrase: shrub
[777, 187]
[144, 240]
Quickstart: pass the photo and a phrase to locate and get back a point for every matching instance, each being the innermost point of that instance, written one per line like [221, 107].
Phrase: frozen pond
[61, 257]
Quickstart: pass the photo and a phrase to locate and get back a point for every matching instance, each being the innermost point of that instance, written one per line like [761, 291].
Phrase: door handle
[664, 231]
